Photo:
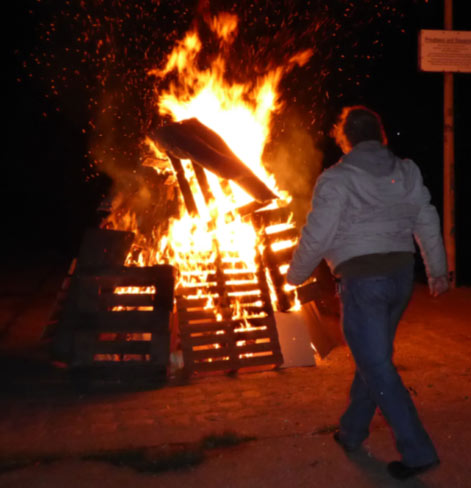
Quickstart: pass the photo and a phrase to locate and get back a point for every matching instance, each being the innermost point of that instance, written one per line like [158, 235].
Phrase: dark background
[364, 54]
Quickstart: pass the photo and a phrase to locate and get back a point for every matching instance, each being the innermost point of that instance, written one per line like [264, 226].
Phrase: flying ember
[233, 232]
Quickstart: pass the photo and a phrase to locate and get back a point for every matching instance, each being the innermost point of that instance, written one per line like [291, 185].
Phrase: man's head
[357, 124]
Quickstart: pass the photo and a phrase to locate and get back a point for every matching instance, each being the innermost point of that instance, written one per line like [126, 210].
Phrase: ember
[234, 233]
[225, 227]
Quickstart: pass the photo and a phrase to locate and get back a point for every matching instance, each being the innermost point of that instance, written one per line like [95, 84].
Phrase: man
[366, 211]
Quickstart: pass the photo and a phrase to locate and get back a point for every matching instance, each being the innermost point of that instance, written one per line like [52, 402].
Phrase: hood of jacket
[372, 157]
[374, 176]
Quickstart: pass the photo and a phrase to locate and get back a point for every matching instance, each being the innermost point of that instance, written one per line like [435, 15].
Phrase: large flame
[241, 113]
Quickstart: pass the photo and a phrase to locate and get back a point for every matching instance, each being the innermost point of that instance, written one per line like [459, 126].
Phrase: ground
[268, 429]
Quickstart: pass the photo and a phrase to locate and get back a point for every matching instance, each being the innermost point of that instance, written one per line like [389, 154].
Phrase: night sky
[72, 65]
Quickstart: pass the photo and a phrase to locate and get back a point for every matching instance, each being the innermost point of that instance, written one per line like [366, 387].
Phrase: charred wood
[188, 198]
[190, 139]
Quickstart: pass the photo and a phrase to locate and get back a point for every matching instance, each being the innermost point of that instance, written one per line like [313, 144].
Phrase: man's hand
[438, 285]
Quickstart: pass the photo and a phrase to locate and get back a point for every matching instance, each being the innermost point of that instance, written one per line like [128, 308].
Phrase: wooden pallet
[110, 328]
[273, 260]
[212, 339]
[97, 330]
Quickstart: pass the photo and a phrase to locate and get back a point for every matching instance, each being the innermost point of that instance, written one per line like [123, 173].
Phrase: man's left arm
[319, 231]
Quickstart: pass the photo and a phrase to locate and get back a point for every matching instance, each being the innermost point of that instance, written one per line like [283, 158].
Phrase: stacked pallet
[121, 315]
[274, 228]
[112, 321]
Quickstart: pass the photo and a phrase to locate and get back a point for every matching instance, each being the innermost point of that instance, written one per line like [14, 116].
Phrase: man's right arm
[320, 229]
[427, 233]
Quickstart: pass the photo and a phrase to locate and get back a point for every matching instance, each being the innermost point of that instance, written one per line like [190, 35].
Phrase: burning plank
[190, 139]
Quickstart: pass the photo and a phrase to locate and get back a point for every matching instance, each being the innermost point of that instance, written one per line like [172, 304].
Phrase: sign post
[449, 52]
[449, 160]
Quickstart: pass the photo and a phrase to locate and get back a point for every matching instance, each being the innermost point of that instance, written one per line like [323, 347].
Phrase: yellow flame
[241, 113]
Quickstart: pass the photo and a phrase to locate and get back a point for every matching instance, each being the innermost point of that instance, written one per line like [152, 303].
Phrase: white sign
[445, 50]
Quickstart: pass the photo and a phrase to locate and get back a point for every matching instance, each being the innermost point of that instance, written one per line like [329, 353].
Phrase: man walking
[366, 211]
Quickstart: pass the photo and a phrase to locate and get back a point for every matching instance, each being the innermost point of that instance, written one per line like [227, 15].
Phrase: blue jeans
[371, 310]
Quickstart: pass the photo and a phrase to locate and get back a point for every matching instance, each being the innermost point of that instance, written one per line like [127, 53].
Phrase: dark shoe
[401, 471]
[345, 447]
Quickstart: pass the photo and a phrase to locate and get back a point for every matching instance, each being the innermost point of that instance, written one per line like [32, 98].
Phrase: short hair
[357, 124]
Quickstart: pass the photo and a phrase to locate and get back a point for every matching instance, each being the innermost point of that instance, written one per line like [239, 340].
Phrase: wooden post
[449, 160]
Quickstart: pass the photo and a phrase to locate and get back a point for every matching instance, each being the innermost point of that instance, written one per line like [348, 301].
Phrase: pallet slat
[275, 360]
[126, 321]
[286, 234]
[121, 347]
[110, 300]
[193, 315]
[209, 366]
[264, 218]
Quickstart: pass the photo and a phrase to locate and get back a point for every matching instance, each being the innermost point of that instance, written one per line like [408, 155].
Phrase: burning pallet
[226, 320]
[118, 316]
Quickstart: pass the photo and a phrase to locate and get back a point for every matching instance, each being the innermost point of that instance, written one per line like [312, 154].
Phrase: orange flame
[241, 113]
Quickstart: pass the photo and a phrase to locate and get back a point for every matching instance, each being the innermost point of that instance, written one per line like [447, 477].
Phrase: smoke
[296, 162]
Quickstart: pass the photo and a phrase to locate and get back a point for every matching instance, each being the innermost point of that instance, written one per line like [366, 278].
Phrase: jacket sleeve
[319, 231]
[427, 233]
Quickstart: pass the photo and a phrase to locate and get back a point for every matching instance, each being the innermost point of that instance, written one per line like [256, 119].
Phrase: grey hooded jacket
[369, 202]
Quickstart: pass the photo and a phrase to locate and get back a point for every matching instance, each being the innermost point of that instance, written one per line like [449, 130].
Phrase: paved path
[289, 413]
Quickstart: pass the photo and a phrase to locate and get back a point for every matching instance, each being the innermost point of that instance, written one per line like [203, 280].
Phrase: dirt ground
[271, 429]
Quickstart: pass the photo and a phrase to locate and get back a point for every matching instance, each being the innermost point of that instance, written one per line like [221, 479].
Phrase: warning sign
[445, 50]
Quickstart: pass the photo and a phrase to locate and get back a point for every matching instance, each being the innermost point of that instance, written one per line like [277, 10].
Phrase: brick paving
[42, 415]
[260, 404]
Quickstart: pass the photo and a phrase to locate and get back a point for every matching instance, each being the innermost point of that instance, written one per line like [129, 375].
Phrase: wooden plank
[187, 329]
[256, 309]
[270, 361]
[209, 353]
[165, 286]
[241, 333]
[255, 348]
[184, 304]
[113, 369]
[94, 325]
[124, 321]
[257, 322]
[228, 349]
[203, 183]
[242, 287]
[193, 140]
[274, 359]
[121, 347]
[242, 278]
[205, 271]
[248, 299]
[204, 288]
[249, 208]
[202, 314]
[250, 335]
[110, 300]
[161, 274]
[206, 340]
[160, 347]
[283, 235]
[184, 185]
[211, 366]
[264, 218]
